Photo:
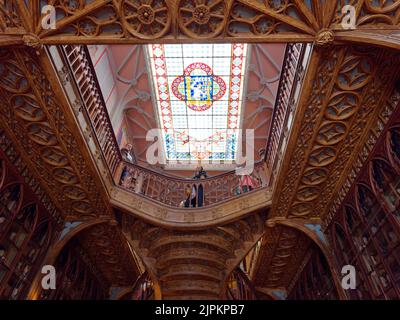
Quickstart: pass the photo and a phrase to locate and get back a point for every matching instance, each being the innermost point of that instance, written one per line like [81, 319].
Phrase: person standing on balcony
[199, 175]
[246, 183]
[124, 175]
[193, 196]
[127, 153]
[188, 193]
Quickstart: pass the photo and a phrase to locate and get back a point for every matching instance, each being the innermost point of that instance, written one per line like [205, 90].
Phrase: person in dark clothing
[193, 196]
[124, 174]
[200, 174]
[188, 193]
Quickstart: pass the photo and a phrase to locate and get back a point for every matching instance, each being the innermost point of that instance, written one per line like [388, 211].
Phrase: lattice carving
[101, 21]
[9, 18]
[202, 18]
[122, 21]
[272, 17]
[146, 19]
[193, 264]
[109, 252]
[371, 14]
[338, 122]
[34, 116]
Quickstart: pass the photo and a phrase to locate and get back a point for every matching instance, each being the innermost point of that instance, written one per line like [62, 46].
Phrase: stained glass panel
[199, 90]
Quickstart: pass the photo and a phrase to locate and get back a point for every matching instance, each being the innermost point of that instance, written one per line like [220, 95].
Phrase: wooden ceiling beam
[263, 23]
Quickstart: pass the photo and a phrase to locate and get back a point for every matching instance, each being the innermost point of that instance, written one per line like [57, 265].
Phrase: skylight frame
[170, 101]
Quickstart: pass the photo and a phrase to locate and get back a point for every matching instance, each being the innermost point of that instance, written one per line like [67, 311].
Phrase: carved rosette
[32, 40]
[324, 37]
[146, 19]
[202, 18]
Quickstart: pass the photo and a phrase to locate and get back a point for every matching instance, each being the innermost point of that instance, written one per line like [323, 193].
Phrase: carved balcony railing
[82, 70]
[174, 191]
[240, 286]
[296, 60]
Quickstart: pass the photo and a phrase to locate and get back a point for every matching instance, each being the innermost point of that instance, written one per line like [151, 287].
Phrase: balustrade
[240, 286]
[95, 109]
[289, 89]
[175, 191]
[142, 289]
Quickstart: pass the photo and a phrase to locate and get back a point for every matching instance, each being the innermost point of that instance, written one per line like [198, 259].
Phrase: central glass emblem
[198, 87]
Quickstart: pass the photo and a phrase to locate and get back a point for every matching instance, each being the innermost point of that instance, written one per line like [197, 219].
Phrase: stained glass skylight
[199, 90]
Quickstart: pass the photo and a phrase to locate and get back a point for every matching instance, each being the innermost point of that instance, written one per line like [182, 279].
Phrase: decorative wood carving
[282, 251]
[346, 99]
[370, 14]
[373, 135]
[14, 157]
[33, 116]
[187, 218]
[347, 94]
[27, 226]
[366, 219]
[109, 252]
[10, 21]
[123, 21]
[193, 264]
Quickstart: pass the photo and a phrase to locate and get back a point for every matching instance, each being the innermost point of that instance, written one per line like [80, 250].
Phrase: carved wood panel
[370, 14]
[138, 21]
[109, 252]
[282, 251]
[346, 96]
[193, 264]
[33, 116]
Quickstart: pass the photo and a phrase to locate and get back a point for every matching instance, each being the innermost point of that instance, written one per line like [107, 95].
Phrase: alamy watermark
[49, 19]
[349, 279]
[348, 22]
[49, 278]
[349, 17]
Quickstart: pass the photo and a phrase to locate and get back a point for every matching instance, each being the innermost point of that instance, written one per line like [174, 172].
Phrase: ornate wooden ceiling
[347, 90]
[346, 95]
[128, 21]
[193, 264]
